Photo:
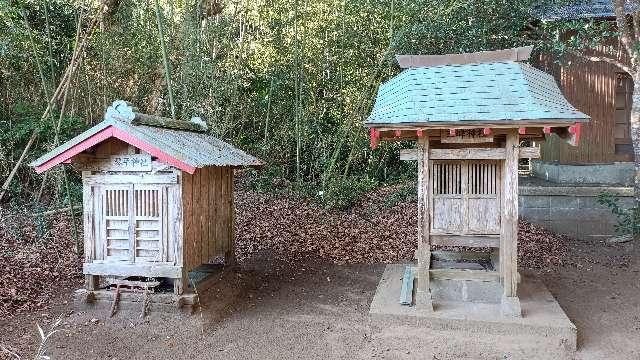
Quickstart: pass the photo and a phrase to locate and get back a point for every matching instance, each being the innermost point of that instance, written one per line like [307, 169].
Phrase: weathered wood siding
[131, 197]
[590, 87]
[207, 198]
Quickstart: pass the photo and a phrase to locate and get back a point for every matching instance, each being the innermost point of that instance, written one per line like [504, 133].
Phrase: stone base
[542, 318]
[619, 173]
[572, 210]
[510, 306]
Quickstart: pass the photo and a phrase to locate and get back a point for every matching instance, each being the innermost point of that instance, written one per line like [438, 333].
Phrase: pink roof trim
[106, 133]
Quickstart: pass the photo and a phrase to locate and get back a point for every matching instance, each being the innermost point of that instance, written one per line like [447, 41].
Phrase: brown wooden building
[599, 89]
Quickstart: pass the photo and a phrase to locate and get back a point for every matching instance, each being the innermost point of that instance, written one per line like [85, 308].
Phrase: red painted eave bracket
[575, 132]
[375, 136]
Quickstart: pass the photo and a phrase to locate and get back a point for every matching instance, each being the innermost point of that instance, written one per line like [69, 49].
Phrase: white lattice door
[133, 226]
[117, 216]
[148, 216]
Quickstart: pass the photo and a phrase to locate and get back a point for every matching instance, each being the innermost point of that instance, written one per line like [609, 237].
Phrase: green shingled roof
[483, 92]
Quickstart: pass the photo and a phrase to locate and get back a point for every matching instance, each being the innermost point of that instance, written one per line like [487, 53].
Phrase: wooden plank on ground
[406, 292]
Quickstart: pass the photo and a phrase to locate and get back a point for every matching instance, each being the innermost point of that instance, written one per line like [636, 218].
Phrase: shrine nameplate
[130, 162]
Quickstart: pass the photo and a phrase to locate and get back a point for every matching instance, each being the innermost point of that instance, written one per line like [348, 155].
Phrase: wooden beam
[465, 275]
[446, 255]
[514, 54]
[130, 179]
[159, 121]
[409, 154]
[473, 241]
[532, 152]
[469, 154]
[114, 269]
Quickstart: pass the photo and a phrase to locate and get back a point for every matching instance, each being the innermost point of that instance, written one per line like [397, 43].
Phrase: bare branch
[615, 62]
[636, 25]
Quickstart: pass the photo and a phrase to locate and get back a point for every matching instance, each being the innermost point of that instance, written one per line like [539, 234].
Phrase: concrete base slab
[542, 317]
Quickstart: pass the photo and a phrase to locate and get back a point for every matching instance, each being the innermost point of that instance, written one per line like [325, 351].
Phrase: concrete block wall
[571, 210]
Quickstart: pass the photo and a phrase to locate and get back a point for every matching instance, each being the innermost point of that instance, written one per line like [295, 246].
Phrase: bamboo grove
[289, 80]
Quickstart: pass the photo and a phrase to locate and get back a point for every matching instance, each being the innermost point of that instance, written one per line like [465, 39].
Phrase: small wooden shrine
[157, 198]
[469, 114]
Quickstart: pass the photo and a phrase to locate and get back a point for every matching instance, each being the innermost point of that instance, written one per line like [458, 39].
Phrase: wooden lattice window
[148, 221]
[117, 219]
[483, 178]
[133, 225]
[447, 178]
[465, 197]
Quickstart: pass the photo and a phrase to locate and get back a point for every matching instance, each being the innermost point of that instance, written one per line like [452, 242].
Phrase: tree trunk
[634, 125]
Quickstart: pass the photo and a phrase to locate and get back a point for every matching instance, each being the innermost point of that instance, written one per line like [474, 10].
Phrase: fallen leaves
[374, 230]
[35, 267]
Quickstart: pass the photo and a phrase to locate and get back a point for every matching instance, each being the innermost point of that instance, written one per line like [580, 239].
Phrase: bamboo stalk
[266, 124]
[57, 129]
[64, 82]
[74, 229]
[165, 60]
[50, 42]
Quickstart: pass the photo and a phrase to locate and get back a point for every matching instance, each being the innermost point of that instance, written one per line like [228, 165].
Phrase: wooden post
[423, 292]
[509, 227]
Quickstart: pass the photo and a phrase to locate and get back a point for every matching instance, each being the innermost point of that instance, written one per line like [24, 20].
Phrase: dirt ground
[269, 309]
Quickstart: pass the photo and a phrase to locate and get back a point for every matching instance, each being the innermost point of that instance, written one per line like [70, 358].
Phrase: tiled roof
[583, 9]
[484, 92]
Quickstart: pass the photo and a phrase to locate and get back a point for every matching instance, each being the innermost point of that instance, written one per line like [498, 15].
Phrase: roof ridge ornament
[513, 54]
[120, 110]
[123, 111]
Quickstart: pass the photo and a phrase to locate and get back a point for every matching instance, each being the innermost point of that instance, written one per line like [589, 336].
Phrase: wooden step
[464, 275]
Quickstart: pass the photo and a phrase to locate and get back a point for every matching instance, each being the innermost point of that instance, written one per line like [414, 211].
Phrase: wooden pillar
[509, 227]
[181, 285]
[92, 282]
[423, 292]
